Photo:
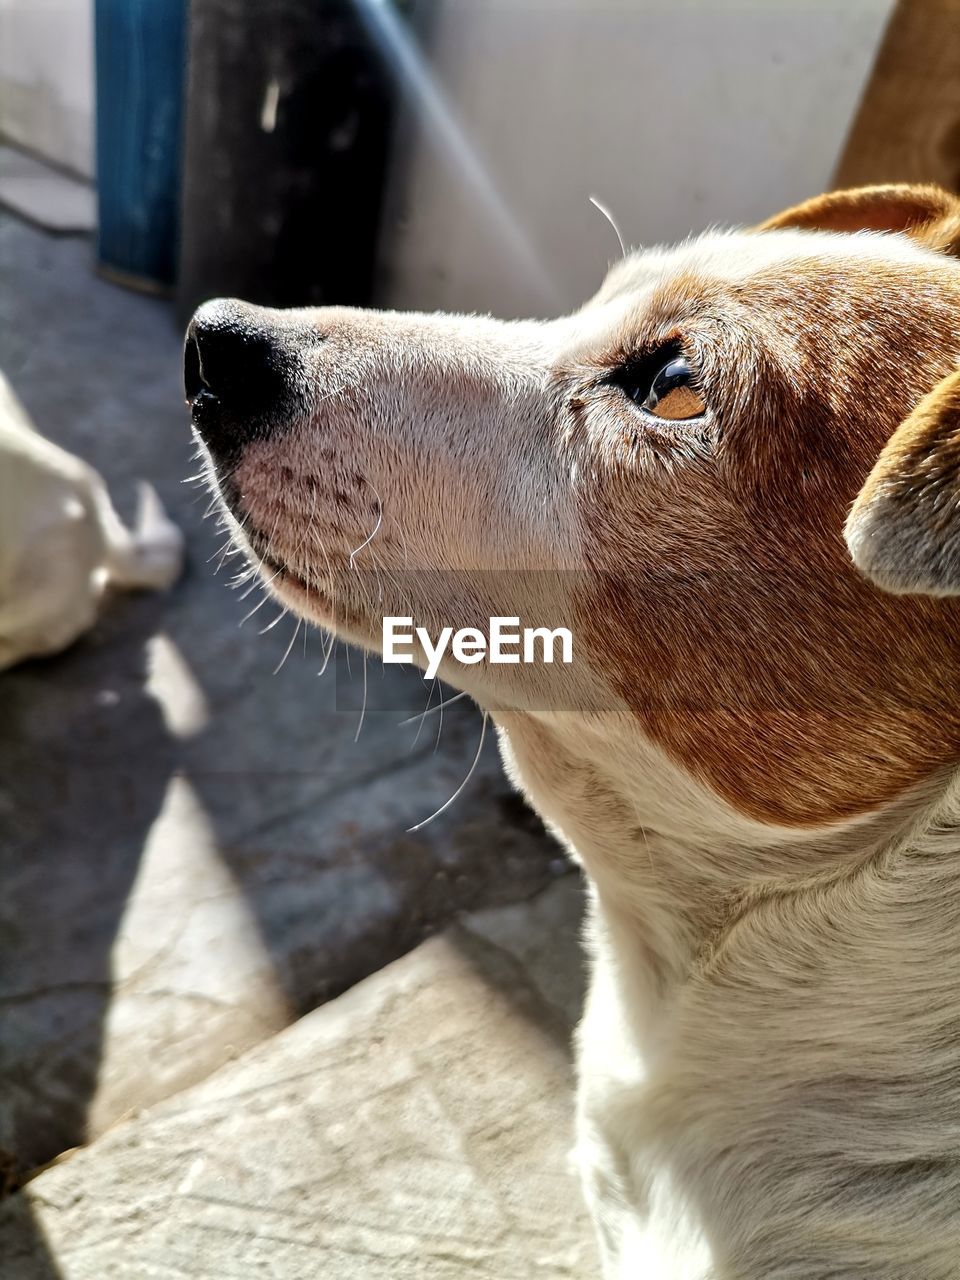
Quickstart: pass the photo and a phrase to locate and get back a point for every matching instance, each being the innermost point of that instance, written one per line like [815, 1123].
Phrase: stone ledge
[417, 1126]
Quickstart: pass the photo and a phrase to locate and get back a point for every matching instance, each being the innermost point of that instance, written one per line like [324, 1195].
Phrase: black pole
[288, 124]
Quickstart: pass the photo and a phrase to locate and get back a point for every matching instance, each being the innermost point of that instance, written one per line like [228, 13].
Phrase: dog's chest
[772, 1109]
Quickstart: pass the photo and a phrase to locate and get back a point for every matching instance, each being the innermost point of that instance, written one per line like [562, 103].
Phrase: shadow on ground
[195, 851]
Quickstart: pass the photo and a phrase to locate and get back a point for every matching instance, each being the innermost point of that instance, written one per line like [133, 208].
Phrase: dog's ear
[927, 213]
[904, 528]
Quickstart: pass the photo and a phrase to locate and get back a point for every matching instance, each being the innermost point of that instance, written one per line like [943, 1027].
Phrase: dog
[62, 544]
[736, 472]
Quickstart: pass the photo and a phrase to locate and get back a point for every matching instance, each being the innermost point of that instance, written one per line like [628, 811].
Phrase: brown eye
[672, 394]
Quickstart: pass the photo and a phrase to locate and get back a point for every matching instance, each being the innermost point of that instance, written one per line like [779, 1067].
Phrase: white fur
[769, 1062]
[720, 1038]
[62, 543]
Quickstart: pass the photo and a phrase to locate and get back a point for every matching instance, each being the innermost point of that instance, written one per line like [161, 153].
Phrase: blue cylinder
[140, 54]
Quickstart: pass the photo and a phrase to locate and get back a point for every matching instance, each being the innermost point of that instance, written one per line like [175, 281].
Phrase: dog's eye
[670, 394]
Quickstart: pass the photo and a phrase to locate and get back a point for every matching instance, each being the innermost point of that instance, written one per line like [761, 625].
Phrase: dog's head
[671, 470]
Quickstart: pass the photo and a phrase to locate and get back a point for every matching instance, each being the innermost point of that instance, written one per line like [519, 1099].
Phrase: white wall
[46, 78]
[676, 114]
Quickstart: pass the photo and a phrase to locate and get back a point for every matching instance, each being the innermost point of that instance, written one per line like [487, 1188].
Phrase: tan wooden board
[907, 128]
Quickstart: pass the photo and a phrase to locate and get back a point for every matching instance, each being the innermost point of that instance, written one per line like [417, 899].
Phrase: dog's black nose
[233, 351]
[236, 371]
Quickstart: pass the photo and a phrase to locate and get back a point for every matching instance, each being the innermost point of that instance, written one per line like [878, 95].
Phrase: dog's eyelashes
[666, 390]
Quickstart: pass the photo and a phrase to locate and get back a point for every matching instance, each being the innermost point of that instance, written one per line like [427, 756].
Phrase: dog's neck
[671, 866]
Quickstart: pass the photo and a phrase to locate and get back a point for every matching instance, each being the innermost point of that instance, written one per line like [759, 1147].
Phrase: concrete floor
[193, 851]
[415, 1128]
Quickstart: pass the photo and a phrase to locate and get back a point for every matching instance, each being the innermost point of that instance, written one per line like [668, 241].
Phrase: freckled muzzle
[242, 374]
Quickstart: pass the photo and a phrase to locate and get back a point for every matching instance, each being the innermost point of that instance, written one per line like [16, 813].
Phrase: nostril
[237, 353]
[240, 371]
[193, 382]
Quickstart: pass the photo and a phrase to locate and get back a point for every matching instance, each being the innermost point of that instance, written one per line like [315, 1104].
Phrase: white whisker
[286, 655]
[327, 652]
[432, 710]
[253, 586]
[436, 741]
[434, 684]
[266, 596]
[363, 708]
[243, 576]
[459, 790]
[225, 553]
[263, 557]
[597, 204]
[220, 550]
[270, 625]
[376, 528]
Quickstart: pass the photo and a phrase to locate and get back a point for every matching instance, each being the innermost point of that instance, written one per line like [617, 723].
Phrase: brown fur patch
[927, 213]
[726, 611]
